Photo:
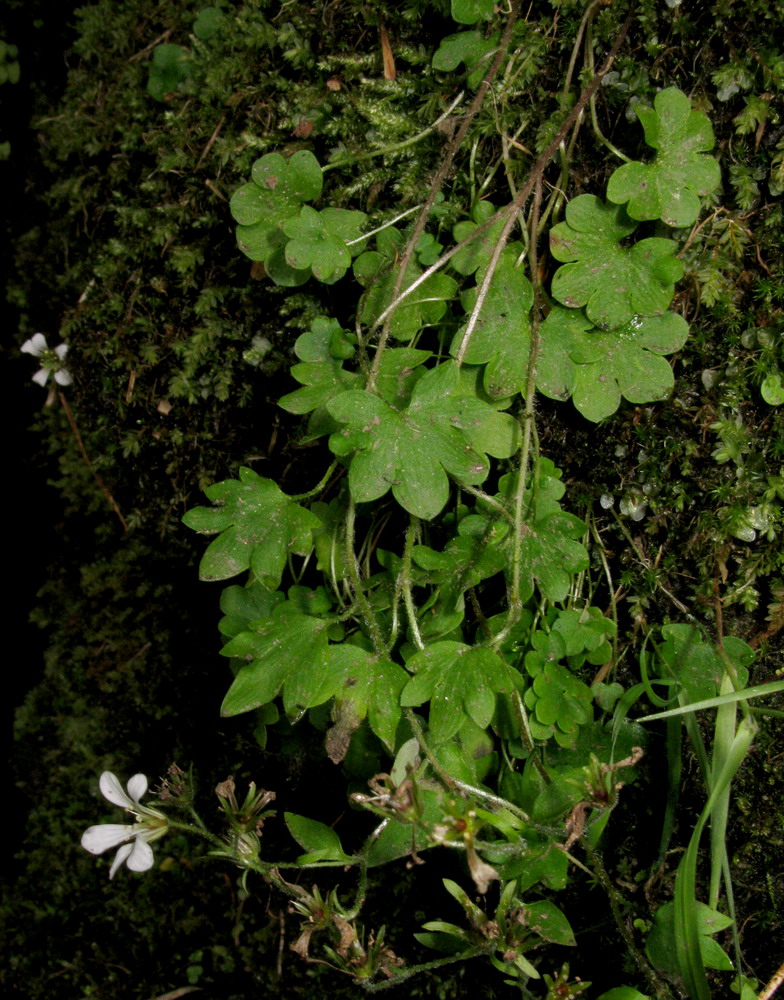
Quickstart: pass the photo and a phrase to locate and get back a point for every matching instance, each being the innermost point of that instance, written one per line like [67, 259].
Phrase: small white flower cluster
[149, 826]
[52, 360]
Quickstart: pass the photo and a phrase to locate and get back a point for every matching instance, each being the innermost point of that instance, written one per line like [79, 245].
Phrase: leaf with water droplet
[598, 368]
[614, 282]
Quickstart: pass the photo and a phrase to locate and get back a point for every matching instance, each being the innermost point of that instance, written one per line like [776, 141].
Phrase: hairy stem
[660, 989]
[440, 178]
[356, 580]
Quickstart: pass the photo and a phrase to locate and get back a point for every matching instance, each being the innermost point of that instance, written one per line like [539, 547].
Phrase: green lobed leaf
[598, 368]
[559, 701]
[550, 552]
[242, 605]
[287, 652]
[399, 371]
[542, 862]
[423, 307]
[371, 686]
[208, 23]
[660, 946]
[501, 338]
[582, 630]
[468, 756]
[612, 281]
[477, 253]
[772, 390]
[281, 272]
[696, 664]
[468, 47]
[300, 177]
[311, 246]
[257, 527]
[471, 556]
[275, 195]
[317, 240]
[328, 538]
[459, 681]
[321, 373]
[170, 69]
[555, 370]
[670, 187]
[471, 11]
[410, 451]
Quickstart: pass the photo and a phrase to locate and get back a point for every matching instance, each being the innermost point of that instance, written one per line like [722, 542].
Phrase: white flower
[149, 826]
[51, 360]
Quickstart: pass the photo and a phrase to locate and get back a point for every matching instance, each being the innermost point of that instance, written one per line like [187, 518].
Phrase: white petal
[98, 839]
[119, 857]
[112, 790]
[137, 786]
[63, 377]
[41, 376]
[61, 350]
[36, 345]
[141, 856]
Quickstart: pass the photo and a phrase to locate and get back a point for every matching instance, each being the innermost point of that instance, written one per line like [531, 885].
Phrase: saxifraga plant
[420, 600]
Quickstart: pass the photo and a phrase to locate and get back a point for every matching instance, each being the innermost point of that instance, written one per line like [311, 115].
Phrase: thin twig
[657, 984]
[148, 48]
[773, 985]
[534, 178]
[210, 141]
[438, 182]
[88, 463]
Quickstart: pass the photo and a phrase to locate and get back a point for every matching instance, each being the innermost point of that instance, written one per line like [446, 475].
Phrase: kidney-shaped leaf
[670, 187]
[598, 368]
[612, 281]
